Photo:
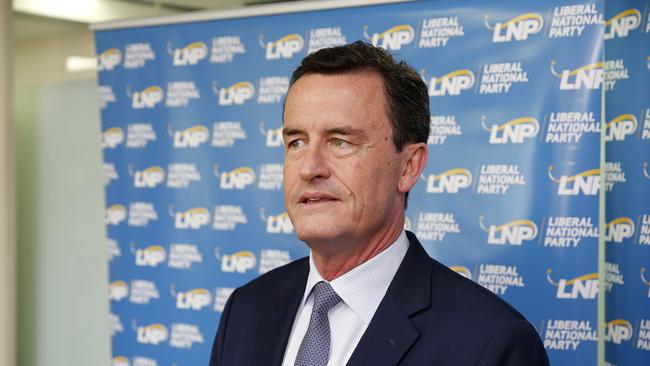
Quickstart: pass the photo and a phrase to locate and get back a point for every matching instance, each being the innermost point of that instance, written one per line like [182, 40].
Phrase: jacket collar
[391, 332]
[278, 318]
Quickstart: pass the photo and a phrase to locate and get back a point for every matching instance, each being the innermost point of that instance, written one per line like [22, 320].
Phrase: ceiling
[28, 26]
[34, 18]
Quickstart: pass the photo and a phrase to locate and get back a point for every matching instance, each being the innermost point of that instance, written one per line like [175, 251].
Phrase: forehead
[356, 81]
[358, 94]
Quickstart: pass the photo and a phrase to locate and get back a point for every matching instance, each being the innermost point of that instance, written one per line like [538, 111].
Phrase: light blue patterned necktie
[315, 347]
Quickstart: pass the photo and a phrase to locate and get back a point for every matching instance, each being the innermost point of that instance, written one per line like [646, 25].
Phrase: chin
[314, 233]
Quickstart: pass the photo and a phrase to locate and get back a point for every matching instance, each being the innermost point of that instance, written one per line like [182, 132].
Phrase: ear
[414, 159]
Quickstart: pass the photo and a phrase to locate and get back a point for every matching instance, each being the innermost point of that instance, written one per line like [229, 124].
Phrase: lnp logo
[147, 178]
[194, 218]
[188, 55]
[645, 282]
[236, 94]
[284, 47]
[239, 262]
[150, 256]
[450, 181]
[587, 182]
[118, 290]
[463, 271]
[273, 136]
[112, 137]
[115, 214]
[620, 127]
[392, 39]
[238, 178]
[279, 224]
[189, 137]
[108, 59]
[585, 286]
[619, 229]
[147, 98]
[589, 76]
[452, 83]
[514, 131]
[120, 361]
[622, 24]
[195, 299]
[517, 28]
[618, 331]
[513, 233]
[151, 334]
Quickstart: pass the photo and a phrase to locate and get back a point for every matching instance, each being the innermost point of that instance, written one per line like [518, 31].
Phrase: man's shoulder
[452, 294]
[462, 312]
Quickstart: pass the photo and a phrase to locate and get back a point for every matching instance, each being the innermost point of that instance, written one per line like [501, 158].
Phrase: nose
[314, 163]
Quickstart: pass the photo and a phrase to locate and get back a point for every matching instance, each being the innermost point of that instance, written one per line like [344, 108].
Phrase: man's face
[341, 168]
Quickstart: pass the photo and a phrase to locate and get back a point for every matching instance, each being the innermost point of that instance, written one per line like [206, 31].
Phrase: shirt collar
[363, 287]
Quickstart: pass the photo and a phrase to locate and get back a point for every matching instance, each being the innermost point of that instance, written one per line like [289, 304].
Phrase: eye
[338, 142]
[293, 144]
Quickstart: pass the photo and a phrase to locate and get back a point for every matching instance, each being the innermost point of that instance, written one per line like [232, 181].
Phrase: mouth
[316, 199]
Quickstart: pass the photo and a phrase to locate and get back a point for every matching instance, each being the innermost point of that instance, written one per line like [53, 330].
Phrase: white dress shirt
[361, 290]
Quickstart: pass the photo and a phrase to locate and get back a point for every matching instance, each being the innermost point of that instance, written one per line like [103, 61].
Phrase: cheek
[288, 178]
[353, 174]
[367, 182]
[289, 166]
[383, 179]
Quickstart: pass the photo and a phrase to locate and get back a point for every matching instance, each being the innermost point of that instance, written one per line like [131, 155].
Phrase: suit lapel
[276, 320]
[391, 333]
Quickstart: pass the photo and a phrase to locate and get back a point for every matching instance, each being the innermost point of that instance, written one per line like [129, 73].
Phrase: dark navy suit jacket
[430, 315]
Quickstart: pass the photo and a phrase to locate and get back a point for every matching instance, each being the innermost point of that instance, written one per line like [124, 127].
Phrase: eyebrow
[345, 131]
[291, 131]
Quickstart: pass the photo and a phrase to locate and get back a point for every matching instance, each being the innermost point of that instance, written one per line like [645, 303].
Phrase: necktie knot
[324, 297]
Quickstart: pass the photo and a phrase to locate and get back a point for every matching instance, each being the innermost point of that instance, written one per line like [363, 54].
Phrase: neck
[335, 260]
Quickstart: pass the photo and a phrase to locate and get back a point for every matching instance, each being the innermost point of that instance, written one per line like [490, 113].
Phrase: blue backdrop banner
[627, 176]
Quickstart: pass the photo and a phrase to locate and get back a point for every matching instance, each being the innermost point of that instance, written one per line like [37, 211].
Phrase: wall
[7, 238]
[40, 60]
[62, 271]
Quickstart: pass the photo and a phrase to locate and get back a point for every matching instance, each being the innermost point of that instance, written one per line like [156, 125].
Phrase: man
[355, 130]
